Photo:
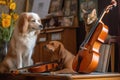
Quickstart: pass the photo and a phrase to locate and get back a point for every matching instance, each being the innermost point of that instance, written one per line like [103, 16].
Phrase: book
[105, 52]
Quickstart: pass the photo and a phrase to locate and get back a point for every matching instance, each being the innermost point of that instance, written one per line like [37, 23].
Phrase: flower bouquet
[7, 22]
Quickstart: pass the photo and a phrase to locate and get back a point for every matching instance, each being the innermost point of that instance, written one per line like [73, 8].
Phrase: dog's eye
[52, 43]
[39, 20]
[33, 20]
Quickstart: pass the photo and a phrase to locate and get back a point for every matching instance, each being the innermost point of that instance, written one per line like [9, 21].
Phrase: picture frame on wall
[70, 7]
[55, 6]
[67, 7]
[74, 7]
[67, 21]
[41, 7]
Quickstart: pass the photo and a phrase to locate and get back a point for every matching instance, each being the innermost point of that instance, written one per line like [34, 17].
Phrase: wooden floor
[47, 76]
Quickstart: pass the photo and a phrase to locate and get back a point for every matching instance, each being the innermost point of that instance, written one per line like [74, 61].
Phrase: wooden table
[47, 76]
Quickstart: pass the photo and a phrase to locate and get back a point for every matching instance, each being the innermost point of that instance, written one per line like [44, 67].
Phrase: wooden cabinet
[67, 35]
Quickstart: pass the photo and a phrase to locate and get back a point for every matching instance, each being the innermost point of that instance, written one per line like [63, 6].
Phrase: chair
[107, 54]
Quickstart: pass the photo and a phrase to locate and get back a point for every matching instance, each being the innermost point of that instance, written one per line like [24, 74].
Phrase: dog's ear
[58, 51]
[23, 23]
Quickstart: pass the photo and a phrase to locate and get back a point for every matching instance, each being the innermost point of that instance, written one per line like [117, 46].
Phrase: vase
[3, 50]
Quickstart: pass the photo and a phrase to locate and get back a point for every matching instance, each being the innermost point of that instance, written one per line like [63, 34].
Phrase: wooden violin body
[87, 58]
[43, 68]
[38, 68]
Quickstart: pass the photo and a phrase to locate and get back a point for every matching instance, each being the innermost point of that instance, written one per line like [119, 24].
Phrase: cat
[88, 14]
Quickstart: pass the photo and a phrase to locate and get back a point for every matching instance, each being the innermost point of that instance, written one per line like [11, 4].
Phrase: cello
[87, 57]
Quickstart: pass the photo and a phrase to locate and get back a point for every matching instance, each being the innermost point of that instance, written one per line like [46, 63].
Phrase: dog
[61, 54]
[22, 42]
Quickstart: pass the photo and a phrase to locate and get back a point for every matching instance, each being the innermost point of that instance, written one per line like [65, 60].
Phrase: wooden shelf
[57, 28]
[46, 76]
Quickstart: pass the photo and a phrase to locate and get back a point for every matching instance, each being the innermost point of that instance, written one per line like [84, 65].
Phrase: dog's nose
[41, 27]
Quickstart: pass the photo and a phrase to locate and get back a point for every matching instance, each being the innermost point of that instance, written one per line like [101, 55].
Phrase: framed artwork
[55, 6]
[67, 21]
[70, 7]
[74, 7]
[41, 7]
[67, 7]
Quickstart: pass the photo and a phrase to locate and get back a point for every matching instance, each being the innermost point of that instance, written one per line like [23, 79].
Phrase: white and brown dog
[22, 42]
[60, 53]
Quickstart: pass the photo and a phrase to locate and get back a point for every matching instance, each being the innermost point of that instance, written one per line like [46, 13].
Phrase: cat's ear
[93, 13]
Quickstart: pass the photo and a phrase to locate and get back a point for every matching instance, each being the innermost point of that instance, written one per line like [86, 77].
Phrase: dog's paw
[18, 71]
[53, 73]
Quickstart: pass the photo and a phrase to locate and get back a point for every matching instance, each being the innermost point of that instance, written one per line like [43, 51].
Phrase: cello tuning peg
[114, 3]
